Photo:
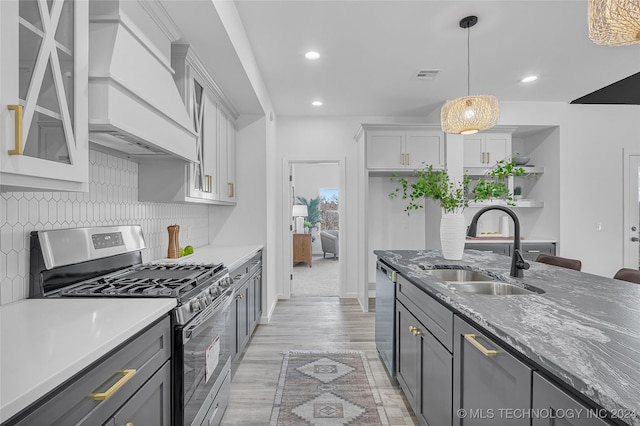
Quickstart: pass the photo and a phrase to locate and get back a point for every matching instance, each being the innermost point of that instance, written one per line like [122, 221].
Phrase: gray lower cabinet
[552, 406]
[424, 370]
[242, 314]
[499, 248]
[130, 385]
[530, 251]
[247, 308]
[256, 298]
[488, 382]
[424, 365]
[151, 405]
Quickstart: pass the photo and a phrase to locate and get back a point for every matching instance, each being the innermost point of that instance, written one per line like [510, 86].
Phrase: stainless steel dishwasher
[386, 316]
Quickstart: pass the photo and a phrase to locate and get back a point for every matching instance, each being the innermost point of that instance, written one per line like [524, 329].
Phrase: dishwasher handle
[390, 273]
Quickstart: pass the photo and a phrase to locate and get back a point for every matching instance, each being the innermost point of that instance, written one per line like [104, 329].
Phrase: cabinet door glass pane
[66, 68]
[48, 97]
[30, 12]
[29, 47]
[64, 31]
[46, 139]
[198, 169]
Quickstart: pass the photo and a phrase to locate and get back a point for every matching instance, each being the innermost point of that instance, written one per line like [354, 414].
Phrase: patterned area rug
[326, 388]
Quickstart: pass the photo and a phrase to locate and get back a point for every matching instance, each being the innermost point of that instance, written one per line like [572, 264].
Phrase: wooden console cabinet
[302, 248]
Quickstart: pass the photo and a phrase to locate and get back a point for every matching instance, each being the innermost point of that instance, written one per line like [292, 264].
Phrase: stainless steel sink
[476, 282]
[460, 275]
[495, 288]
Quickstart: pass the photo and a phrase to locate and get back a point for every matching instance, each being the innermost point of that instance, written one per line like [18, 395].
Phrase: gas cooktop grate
[148, 280]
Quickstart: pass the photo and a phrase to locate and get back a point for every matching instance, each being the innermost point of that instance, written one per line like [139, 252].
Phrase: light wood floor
[306, 323]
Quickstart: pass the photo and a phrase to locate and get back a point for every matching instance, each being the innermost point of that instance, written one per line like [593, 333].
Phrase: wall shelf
[521, 203]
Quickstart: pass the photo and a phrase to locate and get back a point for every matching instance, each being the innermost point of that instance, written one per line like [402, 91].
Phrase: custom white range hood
[134, 104]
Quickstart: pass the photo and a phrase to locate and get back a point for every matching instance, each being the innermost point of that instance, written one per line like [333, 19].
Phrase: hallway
[306, 323]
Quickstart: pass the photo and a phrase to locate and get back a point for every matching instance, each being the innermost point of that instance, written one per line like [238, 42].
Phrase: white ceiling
[371, 51]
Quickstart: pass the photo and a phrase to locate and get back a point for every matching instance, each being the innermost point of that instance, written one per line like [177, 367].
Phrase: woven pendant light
[469, 114]
[614, 22]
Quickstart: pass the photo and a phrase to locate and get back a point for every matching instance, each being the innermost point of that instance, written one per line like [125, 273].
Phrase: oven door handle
[197, 322]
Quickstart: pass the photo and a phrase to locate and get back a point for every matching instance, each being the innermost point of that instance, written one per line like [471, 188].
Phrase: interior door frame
[287, 235]
[630, 251]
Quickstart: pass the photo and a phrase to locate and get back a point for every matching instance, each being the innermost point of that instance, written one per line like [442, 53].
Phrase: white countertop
[44, 342]
[230, 256]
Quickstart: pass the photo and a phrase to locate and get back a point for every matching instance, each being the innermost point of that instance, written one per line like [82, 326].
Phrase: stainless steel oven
[107, 262]
[203, 364]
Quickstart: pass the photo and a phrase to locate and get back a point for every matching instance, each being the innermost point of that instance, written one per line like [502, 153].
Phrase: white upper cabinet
[485, 149]
[227, 169]
[400, 148]
[43, 91]
[208, 179]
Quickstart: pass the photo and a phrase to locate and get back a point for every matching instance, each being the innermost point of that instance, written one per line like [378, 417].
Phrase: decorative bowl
[521, 160]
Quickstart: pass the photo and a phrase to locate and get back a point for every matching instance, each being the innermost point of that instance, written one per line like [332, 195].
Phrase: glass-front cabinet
[43, 91]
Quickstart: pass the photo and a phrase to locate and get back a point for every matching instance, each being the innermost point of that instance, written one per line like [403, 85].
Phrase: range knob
[195, 306]
[206, 299]
[214, 291]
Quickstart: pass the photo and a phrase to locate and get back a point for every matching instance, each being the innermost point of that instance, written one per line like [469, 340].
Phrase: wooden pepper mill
[174, 241]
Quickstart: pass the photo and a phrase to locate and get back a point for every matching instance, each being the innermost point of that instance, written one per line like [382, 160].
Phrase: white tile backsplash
[112, 200]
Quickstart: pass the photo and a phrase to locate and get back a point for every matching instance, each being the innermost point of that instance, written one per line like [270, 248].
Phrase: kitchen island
[582, 330]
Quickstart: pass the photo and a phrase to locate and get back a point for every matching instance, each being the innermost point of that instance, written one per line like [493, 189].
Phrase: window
[329, 201]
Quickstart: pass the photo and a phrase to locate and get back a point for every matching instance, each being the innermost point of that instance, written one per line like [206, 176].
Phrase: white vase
[452, 235]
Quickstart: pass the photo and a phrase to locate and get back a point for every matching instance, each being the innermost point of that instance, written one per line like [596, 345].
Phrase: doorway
[631, 232]
[313, 255]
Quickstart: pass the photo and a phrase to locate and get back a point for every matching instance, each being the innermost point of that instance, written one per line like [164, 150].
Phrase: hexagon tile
[112, 200]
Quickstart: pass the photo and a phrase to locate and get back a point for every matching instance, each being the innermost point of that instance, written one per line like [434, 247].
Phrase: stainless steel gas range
[107, 262]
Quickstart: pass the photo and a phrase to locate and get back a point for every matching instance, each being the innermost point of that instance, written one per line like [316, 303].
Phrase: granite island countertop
[584, 329]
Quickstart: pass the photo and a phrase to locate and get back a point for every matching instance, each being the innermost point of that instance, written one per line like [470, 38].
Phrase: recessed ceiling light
[316, 103]
[312, 56]
[529, 78]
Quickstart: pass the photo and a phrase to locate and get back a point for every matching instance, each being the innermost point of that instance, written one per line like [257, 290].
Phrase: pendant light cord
[468, 60]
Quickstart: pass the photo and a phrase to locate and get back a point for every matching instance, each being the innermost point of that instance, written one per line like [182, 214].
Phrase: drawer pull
[126, 376]
[471, 338]
[18, 149]
[533, 251]
[240, 296]
[232, 190]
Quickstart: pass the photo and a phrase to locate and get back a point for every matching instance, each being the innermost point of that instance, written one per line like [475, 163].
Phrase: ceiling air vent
[427, 74]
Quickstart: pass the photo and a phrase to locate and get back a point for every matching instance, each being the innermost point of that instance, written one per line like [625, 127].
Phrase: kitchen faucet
[518, 264]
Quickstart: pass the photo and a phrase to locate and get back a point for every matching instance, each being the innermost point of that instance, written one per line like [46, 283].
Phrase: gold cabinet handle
[484, 156]
[232, 191]
[409, 159]
[488, 158]
[402, 158]
[241, 296]
[208, 184]
[126, 376]
[415, 331]
[471, 338]
[18, 148]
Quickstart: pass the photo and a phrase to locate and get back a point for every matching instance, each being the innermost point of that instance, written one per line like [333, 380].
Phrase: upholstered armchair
[329, 241]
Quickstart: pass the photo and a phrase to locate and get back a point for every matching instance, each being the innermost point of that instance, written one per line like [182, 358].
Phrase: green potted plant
[454, 196]
[313, 210]
[517, 192]
[307, 226]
